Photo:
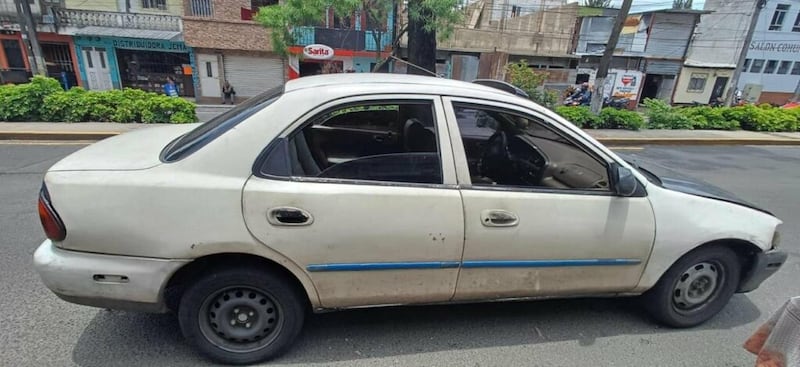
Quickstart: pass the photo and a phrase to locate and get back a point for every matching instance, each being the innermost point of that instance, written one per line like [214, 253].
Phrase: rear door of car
[371, 225]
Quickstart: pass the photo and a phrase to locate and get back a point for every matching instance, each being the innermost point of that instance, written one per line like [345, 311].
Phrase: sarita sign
[318, 52]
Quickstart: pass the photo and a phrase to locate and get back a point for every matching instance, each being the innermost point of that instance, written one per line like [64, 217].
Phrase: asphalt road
[38, 329]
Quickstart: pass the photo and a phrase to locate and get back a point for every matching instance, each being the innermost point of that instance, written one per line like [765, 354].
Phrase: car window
[376, 141]
[378, 117]
[506, 148]
[210, 130]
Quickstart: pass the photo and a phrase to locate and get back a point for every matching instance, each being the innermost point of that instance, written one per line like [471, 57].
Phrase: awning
[129, 33]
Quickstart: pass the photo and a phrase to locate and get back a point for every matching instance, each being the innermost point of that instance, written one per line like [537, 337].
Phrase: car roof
[401, 81]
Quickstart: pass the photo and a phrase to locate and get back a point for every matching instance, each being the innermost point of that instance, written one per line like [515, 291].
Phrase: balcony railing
[340, 38]
[85, 18]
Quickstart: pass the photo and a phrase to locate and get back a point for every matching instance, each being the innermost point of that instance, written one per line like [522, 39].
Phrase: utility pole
[605, 61]
[28, 29]
[743, 54]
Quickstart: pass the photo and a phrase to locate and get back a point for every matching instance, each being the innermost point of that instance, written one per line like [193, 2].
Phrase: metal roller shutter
[251, 75]
[663, 67]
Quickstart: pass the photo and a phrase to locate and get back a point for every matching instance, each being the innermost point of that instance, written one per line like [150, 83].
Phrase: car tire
[695, 288]
[241, 316]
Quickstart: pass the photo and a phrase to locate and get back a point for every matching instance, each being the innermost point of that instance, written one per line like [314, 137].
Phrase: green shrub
[580, 116]
[69, 106]
[712, 118]
[614, 118]
[43, 100]
[663, 116]
[764, 118]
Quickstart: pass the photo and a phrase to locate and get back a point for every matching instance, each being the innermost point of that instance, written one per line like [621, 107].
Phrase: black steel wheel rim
[697, 286]
[241, 319]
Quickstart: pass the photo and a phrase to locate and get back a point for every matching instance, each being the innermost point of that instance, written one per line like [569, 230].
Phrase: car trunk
[133, 150]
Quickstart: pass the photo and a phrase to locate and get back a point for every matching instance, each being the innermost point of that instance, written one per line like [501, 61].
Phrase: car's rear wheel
[695, 288]
[241, 316]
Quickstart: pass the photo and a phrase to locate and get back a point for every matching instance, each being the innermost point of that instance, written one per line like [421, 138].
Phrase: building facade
[128, 44]
[495, 33]
[649, 54]
[230, 46]
[58, 51]
[771, 72]
[353, 44]
[711, 59]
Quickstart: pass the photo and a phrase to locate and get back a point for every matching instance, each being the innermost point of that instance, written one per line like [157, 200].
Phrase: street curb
[697, 141]
[609, 141]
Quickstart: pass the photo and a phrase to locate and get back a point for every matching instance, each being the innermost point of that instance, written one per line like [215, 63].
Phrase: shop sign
[145, 44]
[318, 52]
[788, 47]
[623, 83]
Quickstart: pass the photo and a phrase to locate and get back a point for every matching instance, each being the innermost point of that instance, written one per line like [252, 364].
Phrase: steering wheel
[496, 158]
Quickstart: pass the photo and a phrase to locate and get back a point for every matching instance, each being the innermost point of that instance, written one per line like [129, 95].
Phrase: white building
[771, 72]
[713, 51]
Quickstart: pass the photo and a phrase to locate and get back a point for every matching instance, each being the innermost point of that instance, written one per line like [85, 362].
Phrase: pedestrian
[737, 97]
[170, 88]
[228, 93]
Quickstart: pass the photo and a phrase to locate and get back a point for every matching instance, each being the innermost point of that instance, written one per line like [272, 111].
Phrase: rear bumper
[764, 265]
[107, 281]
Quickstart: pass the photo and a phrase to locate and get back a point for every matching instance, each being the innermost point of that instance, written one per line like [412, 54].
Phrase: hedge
[660, 115]
[609, 118]
[43, 99]
[748, 117]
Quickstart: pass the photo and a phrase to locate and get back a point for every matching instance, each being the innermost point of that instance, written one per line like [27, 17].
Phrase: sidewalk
[100, 130]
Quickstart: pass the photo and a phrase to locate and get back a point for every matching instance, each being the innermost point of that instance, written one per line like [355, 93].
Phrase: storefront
[322, 59]
[702, 84]
[58, 52]
[114, 62]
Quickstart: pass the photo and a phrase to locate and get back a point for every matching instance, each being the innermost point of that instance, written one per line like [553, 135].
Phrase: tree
[597, 3]
[522, 76]
[682, 4]
[426, 18]
[430, 15]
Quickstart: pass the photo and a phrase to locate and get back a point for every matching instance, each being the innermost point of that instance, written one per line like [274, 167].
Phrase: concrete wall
[545, 33]
[225, 30]
[719, 36]
[9, 10]
[684, 96]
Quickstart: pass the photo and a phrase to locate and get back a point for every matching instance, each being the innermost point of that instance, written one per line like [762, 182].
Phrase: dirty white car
[345, 191]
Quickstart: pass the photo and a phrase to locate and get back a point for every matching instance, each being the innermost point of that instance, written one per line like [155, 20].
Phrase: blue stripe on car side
[383, 266]
[469, 264]
[546, 263]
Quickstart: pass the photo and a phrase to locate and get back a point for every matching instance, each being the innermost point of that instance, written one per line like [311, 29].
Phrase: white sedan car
[356, 190]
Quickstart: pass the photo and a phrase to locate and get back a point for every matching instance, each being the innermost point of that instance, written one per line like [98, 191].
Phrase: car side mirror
[625, 183]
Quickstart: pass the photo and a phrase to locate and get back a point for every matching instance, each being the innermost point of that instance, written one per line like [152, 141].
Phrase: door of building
[98, 74]
[719, 89]
[209, 76]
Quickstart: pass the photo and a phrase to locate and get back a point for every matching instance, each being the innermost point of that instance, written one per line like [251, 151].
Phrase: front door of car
[540, 216]
[373, 221]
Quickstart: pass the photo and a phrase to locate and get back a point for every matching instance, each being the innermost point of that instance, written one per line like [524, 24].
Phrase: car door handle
[498, 218]
[289, 217]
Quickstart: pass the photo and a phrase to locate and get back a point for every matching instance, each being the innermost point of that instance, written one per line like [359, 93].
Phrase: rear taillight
[51, 223]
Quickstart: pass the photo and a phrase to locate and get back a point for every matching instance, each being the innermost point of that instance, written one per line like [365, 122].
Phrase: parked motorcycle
[616, 102]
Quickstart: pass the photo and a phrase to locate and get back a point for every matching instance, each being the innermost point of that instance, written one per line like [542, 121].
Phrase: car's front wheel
[241, 316]
[695, 288]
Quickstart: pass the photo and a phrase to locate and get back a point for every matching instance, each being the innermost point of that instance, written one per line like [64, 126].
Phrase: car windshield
[205, 133]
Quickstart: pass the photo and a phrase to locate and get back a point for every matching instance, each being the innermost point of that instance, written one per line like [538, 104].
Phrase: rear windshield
[207, 132]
